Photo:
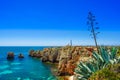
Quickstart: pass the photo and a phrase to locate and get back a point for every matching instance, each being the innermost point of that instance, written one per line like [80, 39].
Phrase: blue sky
[56, 22]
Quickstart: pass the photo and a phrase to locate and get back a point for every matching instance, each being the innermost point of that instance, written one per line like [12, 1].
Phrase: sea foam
[6, 72]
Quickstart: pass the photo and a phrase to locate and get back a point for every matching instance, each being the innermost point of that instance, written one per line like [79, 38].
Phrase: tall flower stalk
[92, 27]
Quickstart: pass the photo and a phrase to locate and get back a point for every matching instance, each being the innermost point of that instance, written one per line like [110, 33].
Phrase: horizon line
[48, 45]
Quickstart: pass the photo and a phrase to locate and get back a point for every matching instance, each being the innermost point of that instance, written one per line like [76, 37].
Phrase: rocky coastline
[66, 58]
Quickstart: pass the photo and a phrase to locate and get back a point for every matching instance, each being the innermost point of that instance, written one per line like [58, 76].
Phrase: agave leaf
[83, 70]
[91, 67]
[98, 56]
[79, 66]
[94, 56]
[104, 54]
[81, 78]
[111, 61]
[113, 52]
[99, 61]
[116, 61]
[105, 64]
[85, 75]
[87, 68]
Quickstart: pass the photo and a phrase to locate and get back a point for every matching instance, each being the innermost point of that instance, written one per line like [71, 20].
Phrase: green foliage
[118, 52]
[112, 72]
[60, 78]
[98, 62]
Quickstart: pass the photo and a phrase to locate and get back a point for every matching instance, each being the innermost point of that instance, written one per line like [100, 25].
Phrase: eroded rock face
[50, 55]
[45, 56]
[70, 67]
[37, 54]
[67, 61]
[31, 52]
[44, 59]
[66, 57]
[53, 56]
[62, 67]
[10, 55]
[66, 67]
[20, 55]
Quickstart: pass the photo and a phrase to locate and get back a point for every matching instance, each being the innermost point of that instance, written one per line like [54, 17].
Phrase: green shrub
[112, 72]
[118, 53]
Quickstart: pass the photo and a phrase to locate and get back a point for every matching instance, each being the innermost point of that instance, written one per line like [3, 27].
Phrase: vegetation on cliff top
[111, 72]
[97, 62]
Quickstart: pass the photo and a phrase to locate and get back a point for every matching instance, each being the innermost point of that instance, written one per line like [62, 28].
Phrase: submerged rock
[10, 55]
[20, 56]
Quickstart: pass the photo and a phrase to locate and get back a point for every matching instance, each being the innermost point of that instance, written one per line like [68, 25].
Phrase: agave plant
[98, 62]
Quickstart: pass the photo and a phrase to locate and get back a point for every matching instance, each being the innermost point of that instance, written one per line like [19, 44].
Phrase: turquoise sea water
[23, 69]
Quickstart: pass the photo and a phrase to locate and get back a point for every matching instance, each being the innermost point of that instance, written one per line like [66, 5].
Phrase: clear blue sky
[56, 22]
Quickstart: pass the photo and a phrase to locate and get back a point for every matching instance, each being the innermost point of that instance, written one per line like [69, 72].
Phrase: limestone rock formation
[67, 57]
[37, 54]
[45, 57]
[20, 55]
[31, 52]
[10, 55]
[53, 56]
[62, 67]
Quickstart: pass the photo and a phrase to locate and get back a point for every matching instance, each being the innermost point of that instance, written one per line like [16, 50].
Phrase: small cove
[23, 69]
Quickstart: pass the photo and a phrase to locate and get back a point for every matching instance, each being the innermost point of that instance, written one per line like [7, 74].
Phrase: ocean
[27, 68]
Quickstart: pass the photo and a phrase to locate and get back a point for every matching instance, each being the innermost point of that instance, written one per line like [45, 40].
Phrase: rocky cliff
[66, 57]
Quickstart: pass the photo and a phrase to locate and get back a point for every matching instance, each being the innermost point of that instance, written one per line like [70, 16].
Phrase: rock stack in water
[20, 55]
[10, 55]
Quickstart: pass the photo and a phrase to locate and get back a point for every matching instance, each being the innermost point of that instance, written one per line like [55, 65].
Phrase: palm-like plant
[98, 62]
